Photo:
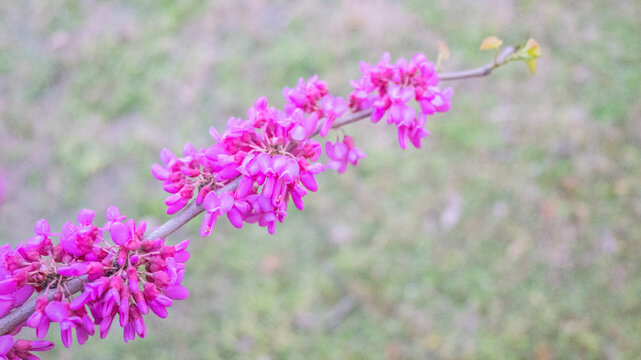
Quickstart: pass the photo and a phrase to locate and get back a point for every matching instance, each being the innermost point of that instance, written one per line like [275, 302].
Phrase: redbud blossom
[126, 277]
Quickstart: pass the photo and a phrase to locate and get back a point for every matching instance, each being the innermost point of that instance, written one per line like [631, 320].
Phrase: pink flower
[58, 312]
[127, 278]
[178, 176]
[305, 95]
[128, 235]
[341, 153]
[389, 88]
[79, 239]
[215, 206]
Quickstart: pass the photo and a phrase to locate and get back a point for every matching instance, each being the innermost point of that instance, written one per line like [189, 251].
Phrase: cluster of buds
[124, 273]
[273, 151]
[388, 89]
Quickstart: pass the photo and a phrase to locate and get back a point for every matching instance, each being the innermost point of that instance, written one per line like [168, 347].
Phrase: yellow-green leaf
[532, 48]
[531, 64]
[491, 42]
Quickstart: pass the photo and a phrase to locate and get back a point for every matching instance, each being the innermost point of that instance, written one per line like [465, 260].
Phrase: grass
[511, 234]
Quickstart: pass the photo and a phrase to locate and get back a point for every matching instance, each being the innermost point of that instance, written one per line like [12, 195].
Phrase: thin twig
[347, 119]
[191, 211]
[480, 71]
[19, 315]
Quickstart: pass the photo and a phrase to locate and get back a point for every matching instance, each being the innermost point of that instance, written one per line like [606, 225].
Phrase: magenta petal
[128, 332]
[6, 343]
[235, 218]
[298, 201]
[56, 311]
[85, 217]
[214, 133]
[176, 292]
[43, 328]
[7, 286]
[34, 319]
[316, 168]
[245, 187]
[326, 127]
[297, 133]
[172, 199]
[42, 227]
[279, 162]
[166, 156]
[329, 149]
[6, 303]
[75, 269]
[228, 173]
[164, 301]
[160, 172]
[120, 233]
[105, 325]
[209, 221]
[82, 335]
[182, 256]
[308, 180]
[67, 337]
[402, 137]
[268, 189]
[113, 214]
[158, 309]
[226, 202]
[250, 164]
[182, 245]
[264, 162]
[211, 201]
[292, 167]
[80, 300]
[310, 123]
[188, 149]
[177, 206]
[21, 295]
[41, 345]
[123, 313]
[172, 188]
[336, 165]
[340, 151]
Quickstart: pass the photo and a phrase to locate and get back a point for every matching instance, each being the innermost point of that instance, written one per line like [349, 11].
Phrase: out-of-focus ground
[514, 233]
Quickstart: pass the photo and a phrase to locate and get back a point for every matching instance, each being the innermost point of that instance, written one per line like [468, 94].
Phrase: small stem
[480, 71]
[347, 119]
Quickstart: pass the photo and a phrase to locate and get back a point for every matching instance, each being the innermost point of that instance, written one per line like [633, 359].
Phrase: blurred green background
[514, 233]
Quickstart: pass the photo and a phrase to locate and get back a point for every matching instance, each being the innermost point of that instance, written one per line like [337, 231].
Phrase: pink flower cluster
[341, 153]
[388, 89]
[313, 97]
[273, 153]
[127, 276]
